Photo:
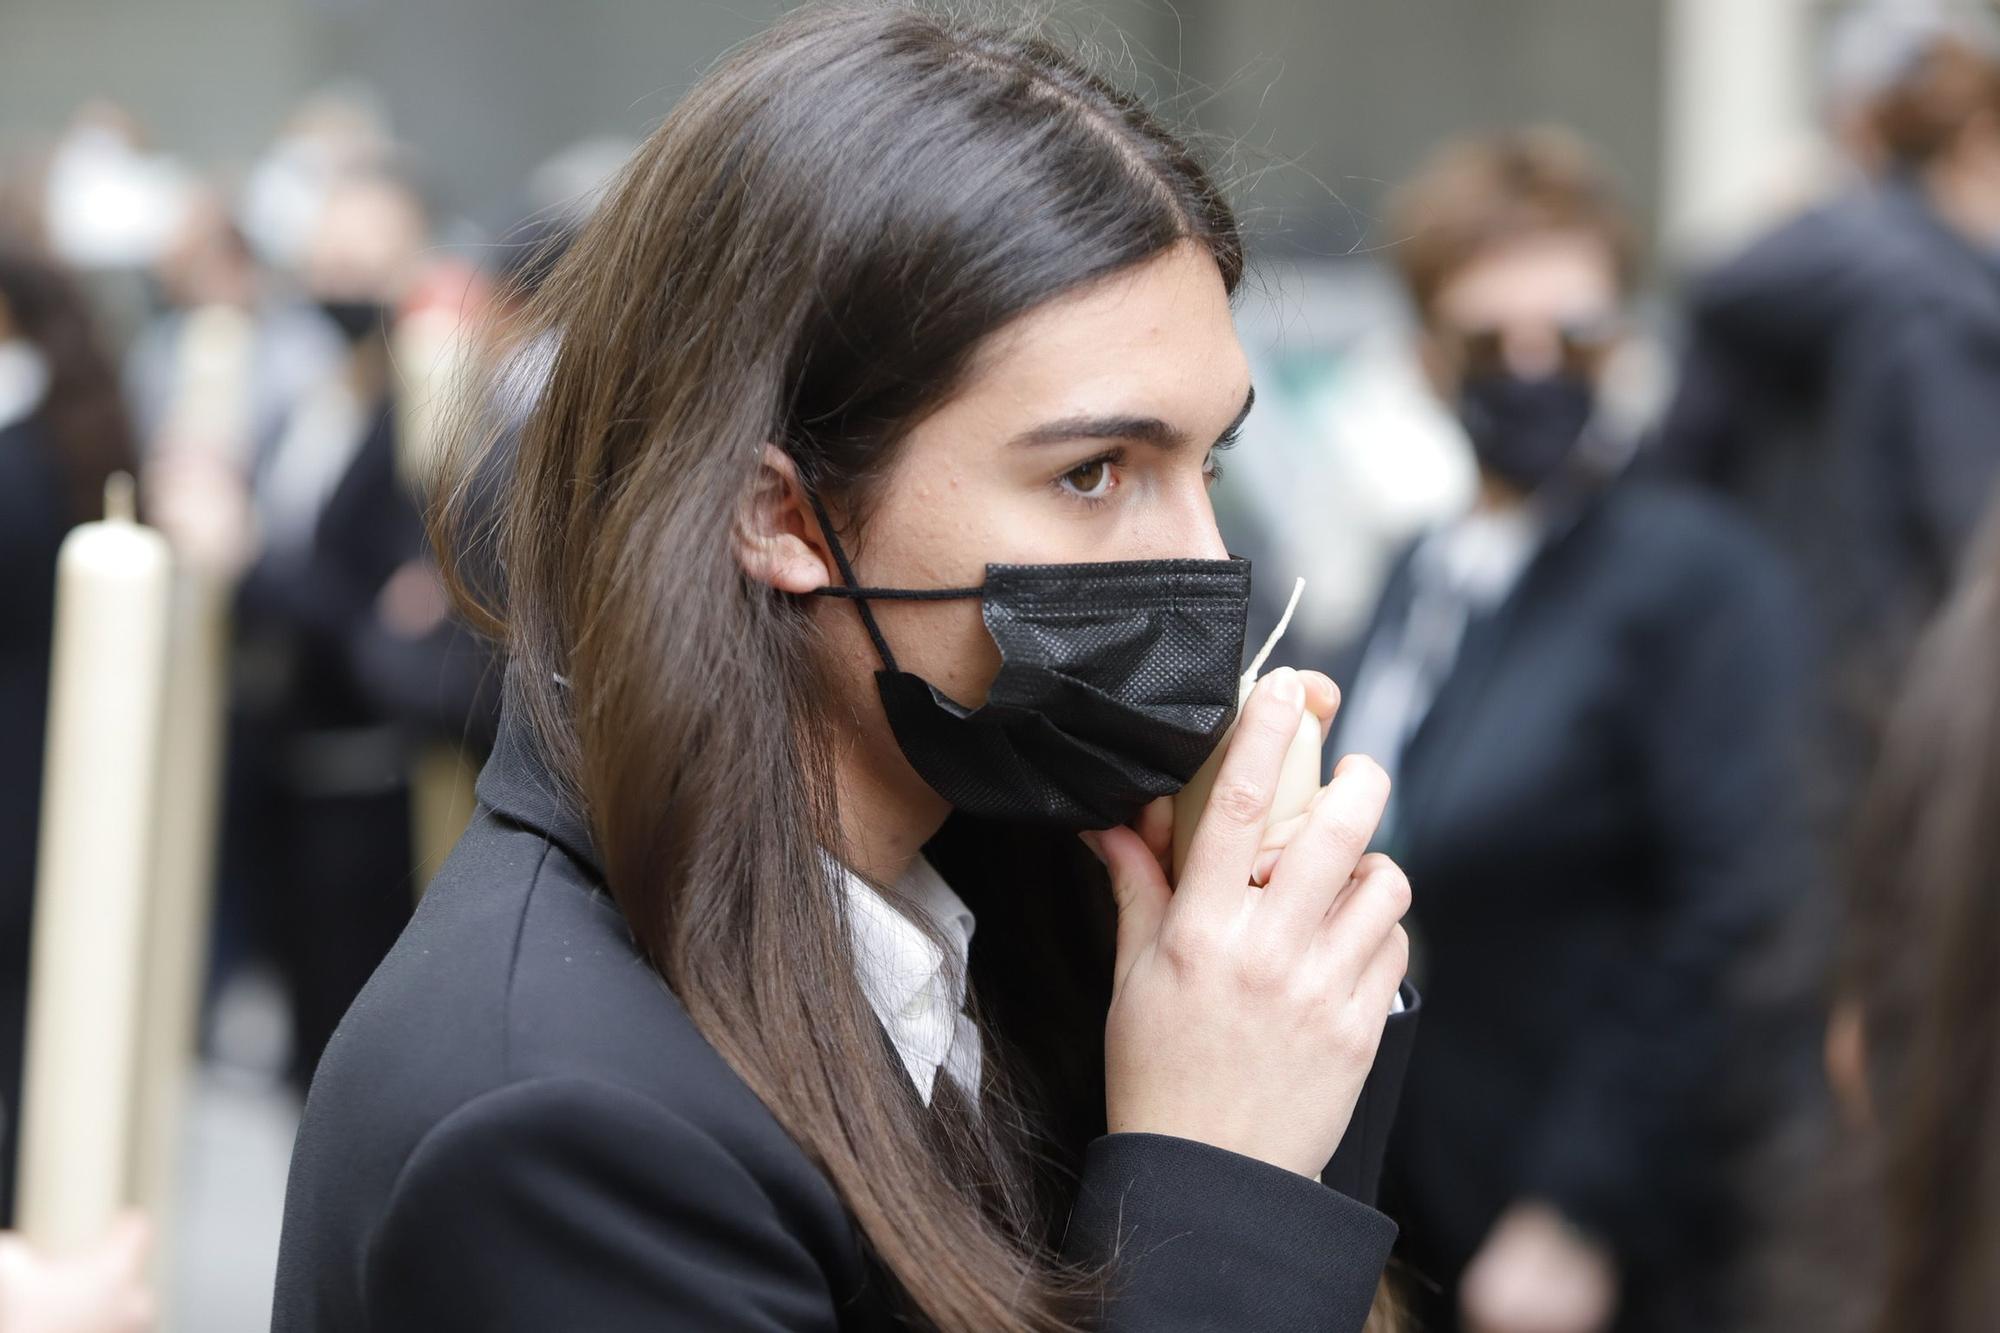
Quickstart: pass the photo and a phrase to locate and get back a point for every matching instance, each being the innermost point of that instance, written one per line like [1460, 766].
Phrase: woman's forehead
[1157, 339]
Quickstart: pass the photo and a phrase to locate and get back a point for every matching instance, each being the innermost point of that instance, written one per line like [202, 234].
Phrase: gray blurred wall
[1326, 99]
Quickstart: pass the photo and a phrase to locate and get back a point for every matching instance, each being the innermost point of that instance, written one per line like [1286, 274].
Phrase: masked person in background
[1583, 689]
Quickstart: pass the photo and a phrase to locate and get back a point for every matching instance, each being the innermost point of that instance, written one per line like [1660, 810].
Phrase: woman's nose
[1189, 532]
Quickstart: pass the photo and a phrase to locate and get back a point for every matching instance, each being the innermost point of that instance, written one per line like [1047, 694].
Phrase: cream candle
[100, 794]
[1298, 779]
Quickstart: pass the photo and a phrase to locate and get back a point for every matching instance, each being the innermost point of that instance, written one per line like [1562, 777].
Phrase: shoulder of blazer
[572, 1202]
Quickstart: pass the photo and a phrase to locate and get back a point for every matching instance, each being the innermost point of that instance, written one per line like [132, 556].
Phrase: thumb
[1138, 887]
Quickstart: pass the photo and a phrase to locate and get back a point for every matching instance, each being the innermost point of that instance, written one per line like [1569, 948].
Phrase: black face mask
[1524, 430]
[356, 320]
[1116, 681]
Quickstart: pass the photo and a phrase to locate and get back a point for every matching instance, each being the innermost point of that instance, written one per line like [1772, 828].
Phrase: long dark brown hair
[1921, 965]
[1896, 1219]
[808, 252]
[82, 411]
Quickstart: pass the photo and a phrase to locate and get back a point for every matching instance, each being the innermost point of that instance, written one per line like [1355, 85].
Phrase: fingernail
[1285, 686]
[1260, 873]
[1090, 839]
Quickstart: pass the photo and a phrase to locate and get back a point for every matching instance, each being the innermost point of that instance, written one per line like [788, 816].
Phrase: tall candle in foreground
[99, 795]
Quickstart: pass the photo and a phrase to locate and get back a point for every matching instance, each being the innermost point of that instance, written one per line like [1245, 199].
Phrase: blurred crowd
[272, 358]
[1693, 709]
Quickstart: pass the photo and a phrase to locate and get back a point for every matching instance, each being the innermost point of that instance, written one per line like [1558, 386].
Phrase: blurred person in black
[318, 822]
[1841, 374]
[1584, 688]
[1917, 378]
[62, 433]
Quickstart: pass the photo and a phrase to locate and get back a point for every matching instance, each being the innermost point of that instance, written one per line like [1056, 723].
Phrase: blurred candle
[211, 414]
[100, 790]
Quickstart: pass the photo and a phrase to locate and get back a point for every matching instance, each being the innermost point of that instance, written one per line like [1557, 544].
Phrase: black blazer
[1599, 817]
[517, 1127]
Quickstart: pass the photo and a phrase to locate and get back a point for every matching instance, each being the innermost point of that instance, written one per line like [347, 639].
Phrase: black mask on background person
[356, 320]
[1522, 429]
[1116, 681]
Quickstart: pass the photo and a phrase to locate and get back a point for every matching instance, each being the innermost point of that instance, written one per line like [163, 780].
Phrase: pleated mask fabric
[1116, 681]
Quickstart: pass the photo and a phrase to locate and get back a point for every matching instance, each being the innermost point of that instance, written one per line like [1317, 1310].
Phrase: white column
[1738, 121]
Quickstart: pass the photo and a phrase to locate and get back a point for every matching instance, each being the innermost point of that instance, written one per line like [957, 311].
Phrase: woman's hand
[1538, 1274]
[1248, 1017]
[98, 1290]
[1155, 824]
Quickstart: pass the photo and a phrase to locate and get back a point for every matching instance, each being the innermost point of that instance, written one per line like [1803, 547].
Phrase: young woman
[857, 554]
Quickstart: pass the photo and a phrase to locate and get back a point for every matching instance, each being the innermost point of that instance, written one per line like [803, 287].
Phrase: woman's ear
[777, 538]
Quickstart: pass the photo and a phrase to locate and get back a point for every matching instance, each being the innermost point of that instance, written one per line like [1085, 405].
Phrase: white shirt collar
[24, 379]
[1482, 554]
[917, 989]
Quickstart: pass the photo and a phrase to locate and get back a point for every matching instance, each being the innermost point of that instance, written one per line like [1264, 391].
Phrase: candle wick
[1257, 662]
[120, 503]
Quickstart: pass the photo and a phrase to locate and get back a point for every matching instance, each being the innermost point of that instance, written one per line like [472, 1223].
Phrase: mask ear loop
[852, 588]
[861, 596]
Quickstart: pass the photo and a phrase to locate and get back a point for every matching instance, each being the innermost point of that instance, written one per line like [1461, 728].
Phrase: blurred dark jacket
[330, 707]
[1842, 382]
[34, 515]
[1751, 417]
[1916, 412]
[1597, 816]
[315, 643]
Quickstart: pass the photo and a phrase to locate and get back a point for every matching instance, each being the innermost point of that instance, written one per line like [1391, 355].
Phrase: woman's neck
[887, 812]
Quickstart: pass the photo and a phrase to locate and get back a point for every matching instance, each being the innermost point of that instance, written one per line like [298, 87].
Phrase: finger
[1384, 975]
[1138, 888]
[1266, 862]
[1276, 838]
[1322, 699]
[1156, 829]
[1231, 828]
[1370, 864]
[1366, 916]
[1323, 857]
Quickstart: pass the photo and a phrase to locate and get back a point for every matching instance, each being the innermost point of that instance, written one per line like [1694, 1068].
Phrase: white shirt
[917, 989]
[24, 380]
[1465, 568]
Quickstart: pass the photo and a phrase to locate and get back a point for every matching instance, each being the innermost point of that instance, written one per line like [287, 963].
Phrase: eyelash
[1116, 457]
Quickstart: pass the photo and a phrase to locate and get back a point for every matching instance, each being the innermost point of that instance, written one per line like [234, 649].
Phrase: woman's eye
[1211, 467]
[1089, 480]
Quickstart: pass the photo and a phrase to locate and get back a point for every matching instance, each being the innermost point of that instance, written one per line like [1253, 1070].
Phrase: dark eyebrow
[1145, 430]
